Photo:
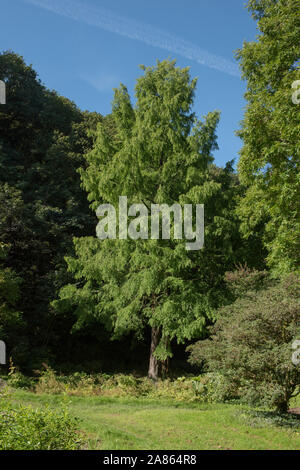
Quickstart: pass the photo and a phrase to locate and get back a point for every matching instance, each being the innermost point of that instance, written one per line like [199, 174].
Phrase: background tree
[158, 153]
[270, 158]
[42, 139]
[11, 321]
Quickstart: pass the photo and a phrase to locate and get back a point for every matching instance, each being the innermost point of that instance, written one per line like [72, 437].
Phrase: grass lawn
[114, 423]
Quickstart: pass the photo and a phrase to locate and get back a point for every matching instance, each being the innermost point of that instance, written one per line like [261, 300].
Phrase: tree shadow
[290, 420]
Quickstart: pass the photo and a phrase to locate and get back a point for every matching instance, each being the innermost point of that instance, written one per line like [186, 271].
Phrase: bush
[214, 388]
[251, 343]
[19, 380]
[24, 428]
[205, 388]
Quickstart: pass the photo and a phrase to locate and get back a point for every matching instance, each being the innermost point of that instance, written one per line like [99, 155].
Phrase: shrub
[25, 428]
[251, 344]
[204, 388]
[214, 388]
[19, 380]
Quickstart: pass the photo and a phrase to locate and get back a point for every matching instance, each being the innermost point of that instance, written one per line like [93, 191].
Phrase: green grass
[114, 423]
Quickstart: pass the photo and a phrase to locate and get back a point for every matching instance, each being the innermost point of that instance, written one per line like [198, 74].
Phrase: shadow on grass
[284, 420]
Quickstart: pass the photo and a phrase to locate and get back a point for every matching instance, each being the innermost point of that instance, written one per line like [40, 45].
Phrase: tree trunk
[153, 362]
[282, 407]
[165, 365]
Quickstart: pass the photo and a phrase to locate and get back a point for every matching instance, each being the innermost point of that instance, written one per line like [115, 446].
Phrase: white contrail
[107, 20]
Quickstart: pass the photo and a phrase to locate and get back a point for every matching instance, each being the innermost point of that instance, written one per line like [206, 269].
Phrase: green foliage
[25, 428]
[17, 379]
[42, 206]
[270, 158]
[251, 344]
[206, 388]
[159, 153]
[10, 319]
[244, 279]
[214, 388]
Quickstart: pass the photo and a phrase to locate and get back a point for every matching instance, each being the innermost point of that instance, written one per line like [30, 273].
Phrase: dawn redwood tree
[155, 152]
[270, 157]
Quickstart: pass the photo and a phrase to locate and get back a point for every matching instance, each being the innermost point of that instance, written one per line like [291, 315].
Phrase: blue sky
[85, 48]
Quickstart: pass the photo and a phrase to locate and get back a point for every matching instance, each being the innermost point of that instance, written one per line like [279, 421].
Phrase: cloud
[102, 82]
[107, 20]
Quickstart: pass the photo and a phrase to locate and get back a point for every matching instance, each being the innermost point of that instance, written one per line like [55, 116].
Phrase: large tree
[42, 139]
[270, 157]
[155, 152]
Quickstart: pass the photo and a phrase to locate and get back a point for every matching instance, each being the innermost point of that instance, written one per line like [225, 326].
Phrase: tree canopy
[160, 153]
[270, 158]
